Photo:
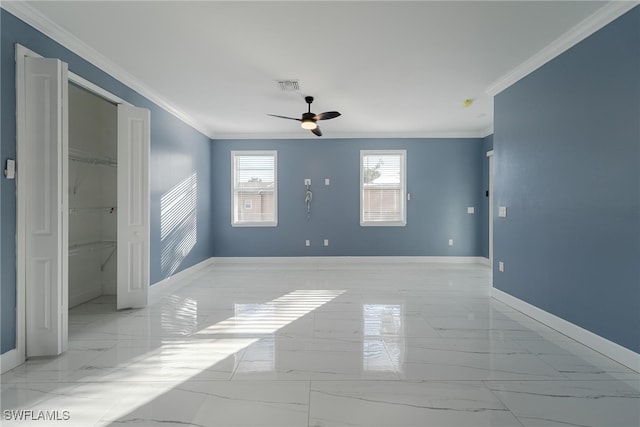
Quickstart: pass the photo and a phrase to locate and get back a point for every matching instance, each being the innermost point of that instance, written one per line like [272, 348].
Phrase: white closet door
[44, 183]
[133, 206]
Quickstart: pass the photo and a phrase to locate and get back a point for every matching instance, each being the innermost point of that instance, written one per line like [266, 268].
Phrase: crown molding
[602, 17]
[357, 135]
[40, 22]
[487, 131]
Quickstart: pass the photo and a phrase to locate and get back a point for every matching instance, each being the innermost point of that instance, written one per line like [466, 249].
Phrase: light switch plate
[502, 211]
[10, 171]
[471, 210]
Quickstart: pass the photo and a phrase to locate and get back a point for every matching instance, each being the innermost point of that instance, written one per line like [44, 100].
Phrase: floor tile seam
[236, 366]
[163, 381]
[309, 403]
[494, 392]
[92, 359]
[469, 365]
[486, 386]
[431, 325]
[561, 380]
[504, 409]
[544, 362]
[397, 380]
[98, 340]
[471, 383]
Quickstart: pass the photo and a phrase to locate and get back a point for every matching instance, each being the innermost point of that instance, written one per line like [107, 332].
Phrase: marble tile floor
[321, 344]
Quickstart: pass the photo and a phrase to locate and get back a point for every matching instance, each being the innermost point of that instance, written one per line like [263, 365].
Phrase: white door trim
[95, 89]
[490, 158]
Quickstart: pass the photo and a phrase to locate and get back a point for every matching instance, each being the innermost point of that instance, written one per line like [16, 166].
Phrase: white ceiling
[393, 69]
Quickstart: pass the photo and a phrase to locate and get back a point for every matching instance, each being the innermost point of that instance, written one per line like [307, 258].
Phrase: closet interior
[92, 196]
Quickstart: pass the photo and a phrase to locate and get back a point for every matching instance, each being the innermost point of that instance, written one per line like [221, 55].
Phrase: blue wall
[444, 177]
[177, 153]
[567, 166]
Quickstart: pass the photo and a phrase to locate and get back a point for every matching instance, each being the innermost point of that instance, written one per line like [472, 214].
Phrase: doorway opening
[79, 195]
[93, 175]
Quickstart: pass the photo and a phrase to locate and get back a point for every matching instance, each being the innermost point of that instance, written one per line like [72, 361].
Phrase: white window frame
[403, 189]
[239, 153]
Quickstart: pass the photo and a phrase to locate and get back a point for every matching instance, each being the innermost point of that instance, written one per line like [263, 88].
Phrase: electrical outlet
[307, 242]
[307, 181]
[450, 242]
[326, 242]
[501, 266]
[502, 211]
[471, 210]
[327, 181]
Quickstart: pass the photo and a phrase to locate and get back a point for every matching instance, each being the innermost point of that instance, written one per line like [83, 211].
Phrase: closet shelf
[77, 248]
[98, 210]
[84, 157]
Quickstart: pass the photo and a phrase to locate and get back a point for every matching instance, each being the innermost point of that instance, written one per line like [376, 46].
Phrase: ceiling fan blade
[317, 131]
[284, 117]
[327, 115]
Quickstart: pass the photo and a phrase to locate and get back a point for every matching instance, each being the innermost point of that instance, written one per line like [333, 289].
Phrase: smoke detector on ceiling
[289, 85]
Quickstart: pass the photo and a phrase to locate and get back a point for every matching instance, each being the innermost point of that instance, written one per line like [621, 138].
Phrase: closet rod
[90, 246]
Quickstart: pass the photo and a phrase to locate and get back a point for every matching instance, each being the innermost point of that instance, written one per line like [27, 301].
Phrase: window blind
[254, 188]
[382, 188]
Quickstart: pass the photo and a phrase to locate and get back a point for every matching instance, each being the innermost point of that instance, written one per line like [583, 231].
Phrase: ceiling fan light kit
[308, 124]
[309, 120]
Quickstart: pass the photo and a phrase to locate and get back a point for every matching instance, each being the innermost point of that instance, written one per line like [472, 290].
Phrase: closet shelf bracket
[84, 157]
[104, 264]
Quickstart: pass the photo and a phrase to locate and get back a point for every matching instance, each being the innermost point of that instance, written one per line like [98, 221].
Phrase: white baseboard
[161, 288]
[602, 345]
[353, 259]
[9, 360]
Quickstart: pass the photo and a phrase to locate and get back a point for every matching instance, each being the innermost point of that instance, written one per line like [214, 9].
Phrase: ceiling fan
[309, 120]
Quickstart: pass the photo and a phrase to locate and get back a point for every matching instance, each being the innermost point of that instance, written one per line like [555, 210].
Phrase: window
[254, 189]
[383, 188]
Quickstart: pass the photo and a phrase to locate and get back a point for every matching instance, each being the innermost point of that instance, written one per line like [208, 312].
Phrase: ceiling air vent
[289, 85]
